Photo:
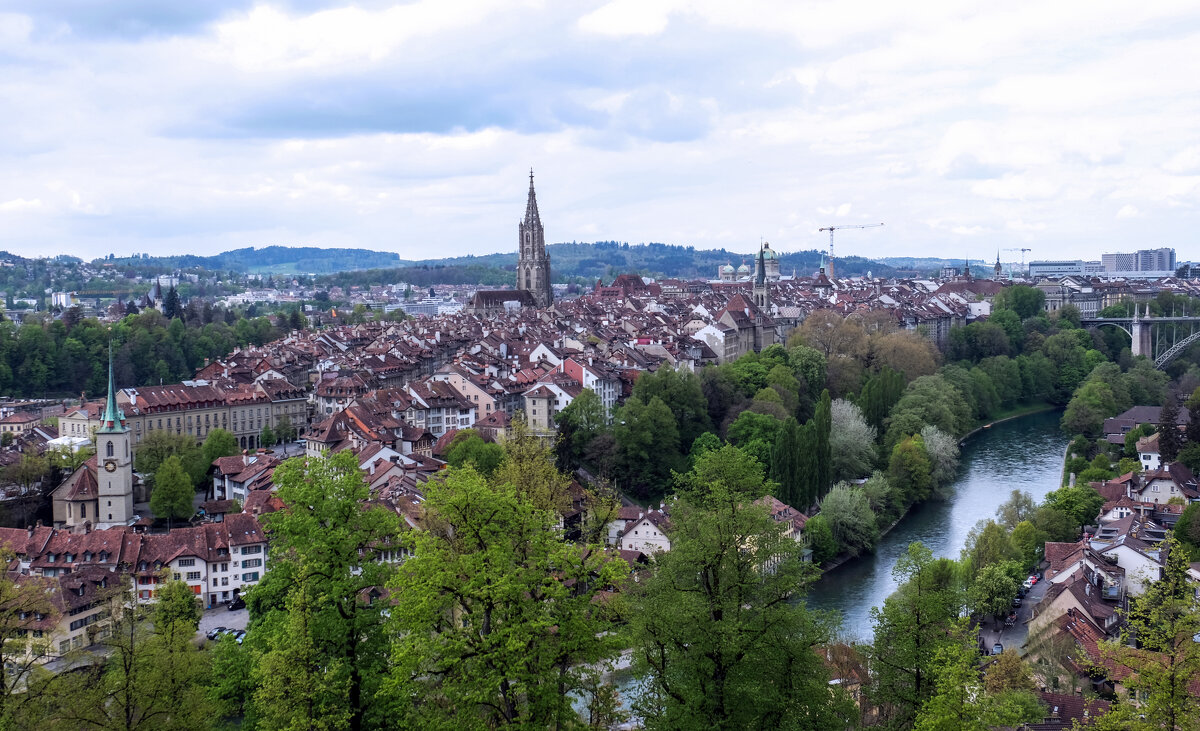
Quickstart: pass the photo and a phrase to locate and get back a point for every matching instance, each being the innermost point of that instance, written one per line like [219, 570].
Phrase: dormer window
[104, 557]
[87, 555]
[50, 557]
[69, 558]
[142, 566]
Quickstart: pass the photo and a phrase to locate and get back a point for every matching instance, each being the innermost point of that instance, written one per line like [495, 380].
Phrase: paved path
[222, 617]
[1013, 637]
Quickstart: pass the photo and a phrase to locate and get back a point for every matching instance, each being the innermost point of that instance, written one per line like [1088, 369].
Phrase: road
[1013, 637]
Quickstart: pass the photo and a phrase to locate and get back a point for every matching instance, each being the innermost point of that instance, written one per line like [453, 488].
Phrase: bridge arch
[1173, 352]
[1117, 325]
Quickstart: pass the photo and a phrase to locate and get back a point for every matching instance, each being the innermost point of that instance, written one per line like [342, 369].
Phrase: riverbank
[1015, 412]
[1023, 453]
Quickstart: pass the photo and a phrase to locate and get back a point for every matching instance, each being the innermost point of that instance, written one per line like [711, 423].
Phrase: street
[1013, 638]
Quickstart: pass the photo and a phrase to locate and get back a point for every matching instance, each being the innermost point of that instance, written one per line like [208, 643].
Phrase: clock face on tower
[110, 466]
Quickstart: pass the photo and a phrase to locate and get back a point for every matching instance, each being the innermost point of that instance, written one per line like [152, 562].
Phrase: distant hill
[601, 259]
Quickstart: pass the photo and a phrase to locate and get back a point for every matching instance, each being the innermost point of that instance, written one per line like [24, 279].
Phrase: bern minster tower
[533, 263]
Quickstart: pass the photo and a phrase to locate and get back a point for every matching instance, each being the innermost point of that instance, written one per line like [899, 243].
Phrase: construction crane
[831, 229]
[1022, 257]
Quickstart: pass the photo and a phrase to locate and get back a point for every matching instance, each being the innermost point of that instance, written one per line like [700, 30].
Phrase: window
[252, 563]
[250, 550]
[252, 576]
[108, 449]
[193, 576]
[185, 562]
[64, 647]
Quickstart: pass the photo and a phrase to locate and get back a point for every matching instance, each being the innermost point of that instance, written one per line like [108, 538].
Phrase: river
[1025, 453]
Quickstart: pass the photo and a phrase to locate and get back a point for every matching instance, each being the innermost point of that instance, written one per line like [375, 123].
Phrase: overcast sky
[1071, 128]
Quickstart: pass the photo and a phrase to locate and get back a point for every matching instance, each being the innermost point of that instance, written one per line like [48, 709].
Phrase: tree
[22, 599]
[820, 538]
[578, 424]
[786, 462]
[473, 609]
[321, 636]
[468, 447]
[1023, 300]
[915, 622]
[284, 429]
[988, 544]
[823, 422]
[1081, 502]
[942, 450]
[681, 393]
[1165, 664]
[219, 443]
[907, 352]
[173, 493]
[755, 433]
[648, 444]
[909, 470]
[850, 518]
[879, 394]
[1187, 531]
[1020, 506]
[528, 465]
[1193, 426]
[718, 638]
[266, 437]
[1169, 437]
[171, 306]
[992, 590]
[1029, 542]
[1008, 673]
[960, 701]
[158, 445]
[151, 675]
[851, 441]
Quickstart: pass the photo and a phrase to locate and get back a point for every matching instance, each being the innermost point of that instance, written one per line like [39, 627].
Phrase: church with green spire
[100, 493]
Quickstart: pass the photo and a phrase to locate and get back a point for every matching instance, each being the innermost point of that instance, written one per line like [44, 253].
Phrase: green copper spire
[113, 419]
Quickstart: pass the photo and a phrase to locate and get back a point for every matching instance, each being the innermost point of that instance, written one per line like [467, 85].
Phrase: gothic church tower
[114, 458]
[533, 263]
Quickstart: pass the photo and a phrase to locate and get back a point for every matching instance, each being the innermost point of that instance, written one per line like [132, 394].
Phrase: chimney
[1054, 713]
[29, 530]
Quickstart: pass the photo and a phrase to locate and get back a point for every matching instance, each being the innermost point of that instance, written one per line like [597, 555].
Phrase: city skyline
[411, 128]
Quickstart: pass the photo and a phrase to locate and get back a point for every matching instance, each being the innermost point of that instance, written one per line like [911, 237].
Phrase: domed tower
[743, 272]
[726, 273]
[533, 263]
[771, 260]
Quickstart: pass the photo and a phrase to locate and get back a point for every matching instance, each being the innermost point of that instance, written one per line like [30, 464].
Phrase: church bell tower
[533, 263]
[114, 459]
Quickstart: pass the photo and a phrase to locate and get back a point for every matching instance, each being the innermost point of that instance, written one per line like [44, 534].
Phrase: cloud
[137, 125]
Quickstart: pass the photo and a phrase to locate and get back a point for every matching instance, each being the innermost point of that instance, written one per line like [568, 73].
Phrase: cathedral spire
[531, 210]
[114, 418]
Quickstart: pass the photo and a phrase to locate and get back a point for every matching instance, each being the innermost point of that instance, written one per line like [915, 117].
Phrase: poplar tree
[1168, 431]
[785, 463]
[173, 493]
[823, 422]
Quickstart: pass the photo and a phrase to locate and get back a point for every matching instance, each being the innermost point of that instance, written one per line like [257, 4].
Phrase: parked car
[1016, 602]
[239, 636]
[997, 648]
[215, 632]
[1030, 582]
[237, 603]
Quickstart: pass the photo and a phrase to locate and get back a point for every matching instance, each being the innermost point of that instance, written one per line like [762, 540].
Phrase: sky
[140, 126]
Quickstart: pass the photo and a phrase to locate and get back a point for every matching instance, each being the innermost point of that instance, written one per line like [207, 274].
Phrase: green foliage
[324, 648]
[157, 446]
[909, 470]
[219, 443]
[1081, 503]
[718, 638]
[267, 438]
[473, 609]
[468, 447]
[1165, 665]
[819, 535]
[917, 621]
[879, 394]
[1024, 301]
[1187, 530]
[648, 440]
[851, 442]
[850, 518]
[578, 425]
[1169, 437]
[173, 491]
[823, 424]
[1029, 541]
[682, 394]
[786, 464]
[988, 544]
[992, 590]
[755, 433]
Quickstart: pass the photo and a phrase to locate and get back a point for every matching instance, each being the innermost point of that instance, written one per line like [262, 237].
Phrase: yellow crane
[831, 229]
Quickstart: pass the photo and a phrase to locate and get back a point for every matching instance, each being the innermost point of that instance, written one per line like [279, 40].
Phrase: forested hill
[576, 259]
